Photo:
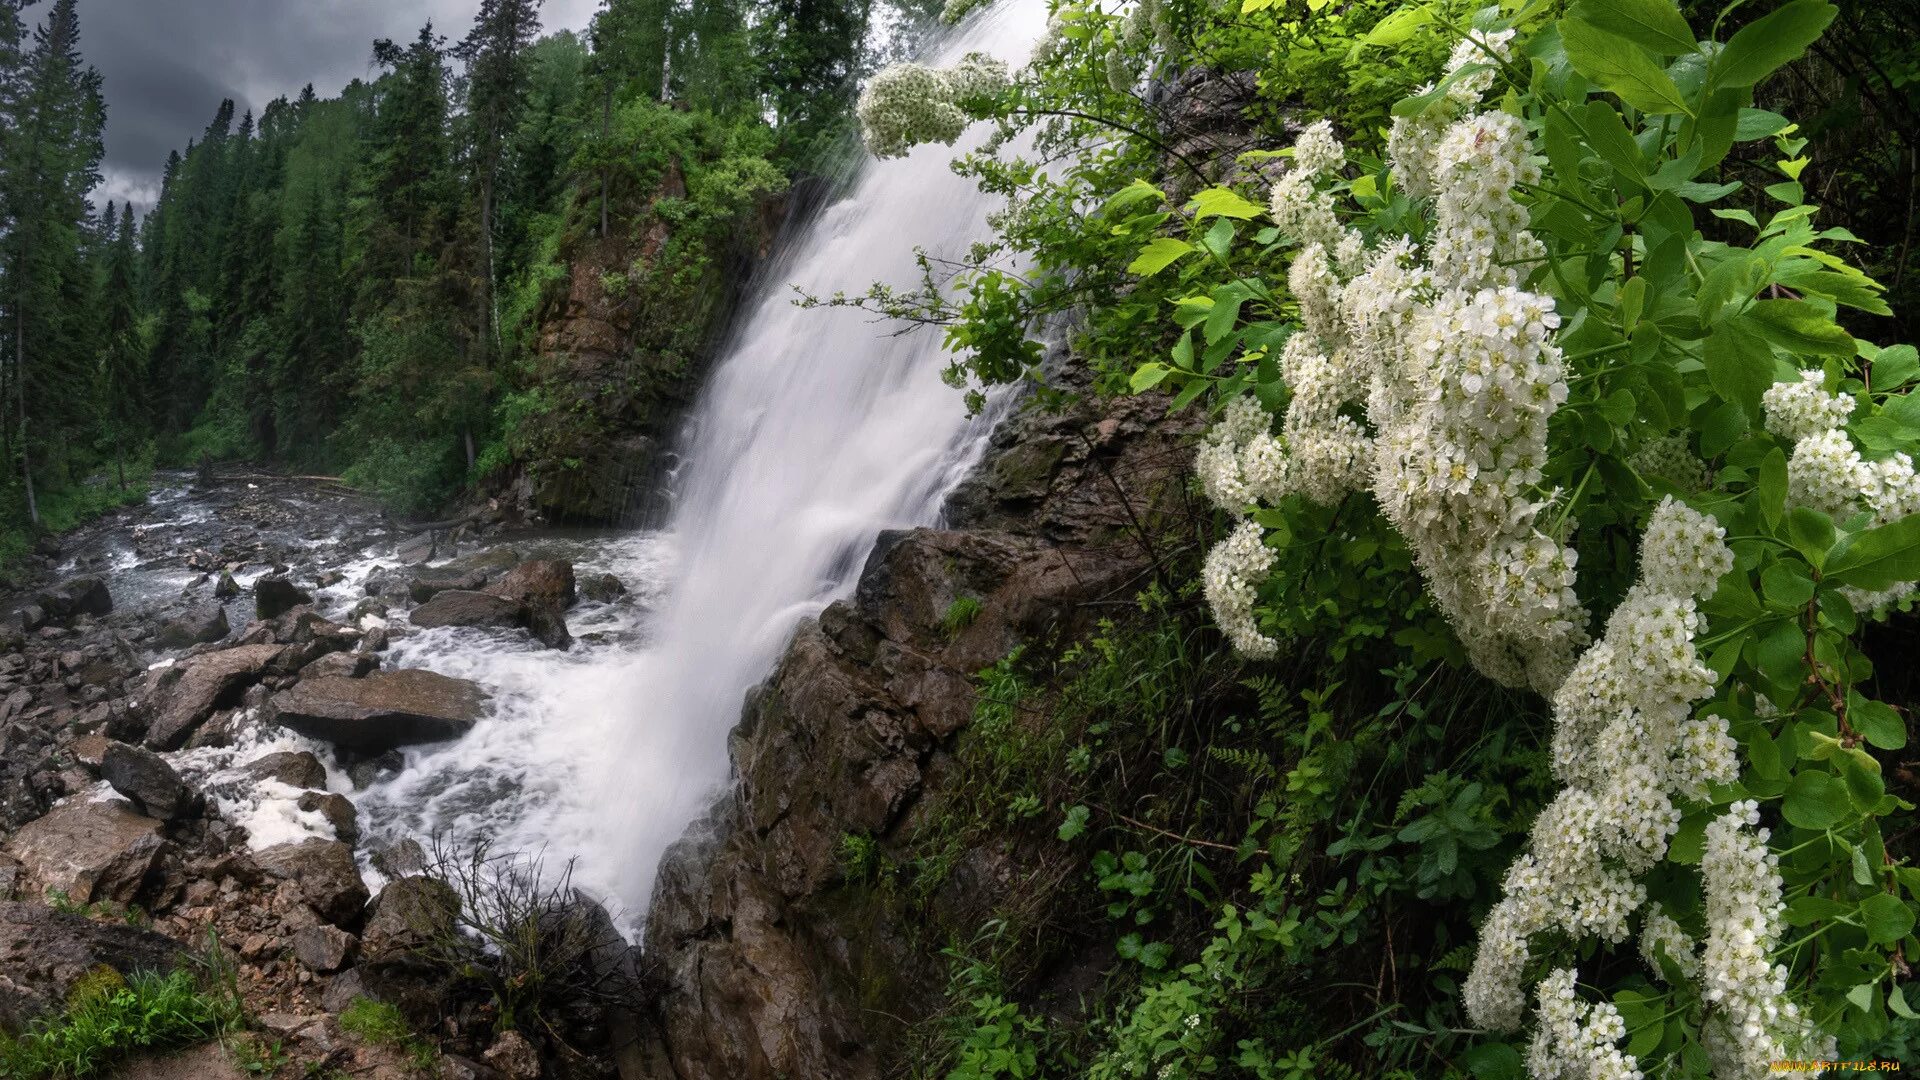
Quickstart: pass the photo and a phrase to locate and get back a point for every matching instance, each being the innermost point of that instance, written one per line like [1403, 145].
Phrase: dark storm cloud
[168, 63]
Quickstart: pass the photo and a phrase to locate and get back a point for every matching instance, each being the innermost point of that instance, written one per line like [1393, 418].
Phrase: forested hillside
[357, 284]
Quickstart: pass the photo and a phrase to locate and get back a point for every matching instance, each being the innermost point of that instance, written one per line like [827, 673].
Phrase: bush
[109, 1018]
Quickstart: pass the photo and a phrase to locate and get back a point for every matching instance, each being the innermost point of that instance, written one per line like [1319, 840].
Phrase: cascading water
[818, 429]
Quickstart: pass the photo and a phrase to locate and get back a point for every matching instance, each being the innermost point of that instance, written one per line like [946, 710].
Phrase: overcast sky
[167, 63]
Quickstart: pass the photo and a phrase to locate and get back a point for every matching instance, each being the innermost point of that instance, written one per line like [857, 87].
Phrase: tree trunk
[467, 435]
[20, 391]
[486, 276]
[120, 462]
[606, 132]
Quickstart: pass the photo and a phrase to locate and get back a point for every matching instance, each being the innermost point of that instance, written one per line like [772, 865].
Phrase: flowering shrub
[1601, 405]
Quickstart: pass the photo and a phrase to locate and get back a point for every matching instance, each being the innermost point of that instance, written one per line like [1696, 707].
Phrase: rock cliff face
[774, 963]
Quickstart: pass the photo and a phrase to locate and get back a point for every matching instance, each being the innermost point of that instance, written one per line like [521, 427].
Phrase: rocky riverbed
[220, 715]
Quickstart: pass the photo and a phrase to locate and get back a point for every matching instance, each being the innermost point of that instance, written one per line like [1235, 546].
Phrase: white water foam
[818, 430]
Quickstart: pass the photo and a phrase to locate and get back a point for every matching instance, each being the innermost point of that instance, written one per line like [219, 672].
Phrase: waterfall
[817, 430]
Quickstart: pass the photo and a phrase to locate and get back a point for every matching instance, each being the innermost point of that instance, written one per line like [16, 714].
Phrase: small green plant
[256, 1055]
[859, 856]
[382, 1024]
[110, 1017]
[960, 615]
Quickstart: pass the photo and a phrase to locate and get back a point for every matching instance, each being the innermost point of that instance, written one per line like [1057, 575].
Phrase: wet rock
[538, 582]
[381, 711]
[465, 608]
[400, 858]
[32, 617]
[409, 912]
[364, 774]
[324, 949]
[603, 588]
[273, 596]
[294, 768]
[324, 874]
[184, 695]
[90, 750]
[417, 551]
[345, 665]
[427, 584]
[488, 561]
[91, 851]
[45, 954]
[77, 596]
[226, 588]
[201, 623]
[146, 780]
[337, 809]
[343, 990]
[513, 1057]
[377, 639]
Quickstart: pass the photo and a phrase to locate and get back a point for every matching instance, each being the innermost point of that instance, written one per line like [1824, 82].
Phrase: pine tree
[123, 358]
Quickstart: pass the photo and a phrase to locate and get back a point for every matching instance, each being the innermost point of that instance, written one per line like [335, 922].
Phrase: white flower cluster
[1661, 936]
[1625, 744]
[1575, 1040]
[1149, 19]
[1234, 569]
[1827, 473]
[1751, 1024]
[909, 104]
[1671, 458]
[1413, 141]
[1299, 207]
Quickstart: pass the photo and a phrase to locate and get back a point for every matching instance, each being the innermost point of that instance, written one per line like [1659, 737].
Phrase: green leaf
[1137, 191]
[1158, 255]
[1732, 281]
[1148, 376]
[1765, 44]
[1786, 585]
[1798, 327]
[1815, 800]
[1622, 67]
[1862, 996]
[1656, 24]
[1807, 910]
[1886, 917]
[1739, 365]
[1877, 721]
[1223, 202]
[1758, 124]
[1878, 558]
[1895, 367]
[1399, 26]
[1811, 534]
[1772, 486]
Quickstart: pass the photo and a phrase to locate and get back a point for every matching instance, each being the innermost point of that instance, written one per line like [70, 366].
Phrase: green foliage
[109, 1018]
[960, 615]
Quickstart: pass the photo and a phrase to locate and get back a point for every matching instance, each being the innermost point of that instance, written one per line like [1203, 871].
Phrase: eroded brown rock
[382, 711]
[183, 696]
[90, 851]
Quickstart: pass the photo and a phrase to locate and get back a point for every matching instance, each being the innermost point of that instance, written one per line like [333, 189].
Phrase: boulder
[226, 588]
[461, 607]
[381, 711]
[409, 912]
[90, 750]
[184, 695]
[324, 949]
[538, 582]
[343, 990]
[199, 624]
[603, 588]
[513, 1057]
[44, 955]
[400, 858]
[146, 780]
[429, 583]
[488, 561]
[323, 873]
[274, 596]
[345, 665]
[77, 596]
[294, 768]
[417, 551]
[337, 809]
[91, 851]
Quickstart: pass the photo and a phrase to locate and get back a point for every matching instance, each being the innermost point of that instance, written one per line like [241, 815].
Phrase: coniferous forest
[351, 284]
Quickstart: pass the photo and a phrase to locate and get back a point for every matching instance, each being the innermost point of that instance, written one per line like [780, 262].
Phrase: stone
[91, 851]
[294, 768]
[365, 773]
[77, 596]
[324, 949]
[274, 596]
[513, 1057]
[344, 989]
[400, 858]
[89, 750]
[32, 617]
[345, 665]
[199, 624]
[381, 711]
[324, 874]
[429, 583]
[459, 607]
[409, 912]
[418, 551]
[147, 781]
[337, 809]
[10, 875]
[488, 561]
[45, 954]
[538, 581]
[184, 695]
[226, 588]
[603, 588]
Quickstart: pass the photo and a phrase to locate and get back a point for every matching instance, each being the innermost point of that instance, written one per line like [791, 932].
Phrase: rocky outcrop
[88, 851]
[273, 596]
[457, 607]
[45, 954]
[183, 696]
[775, 967]
[381, 711]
